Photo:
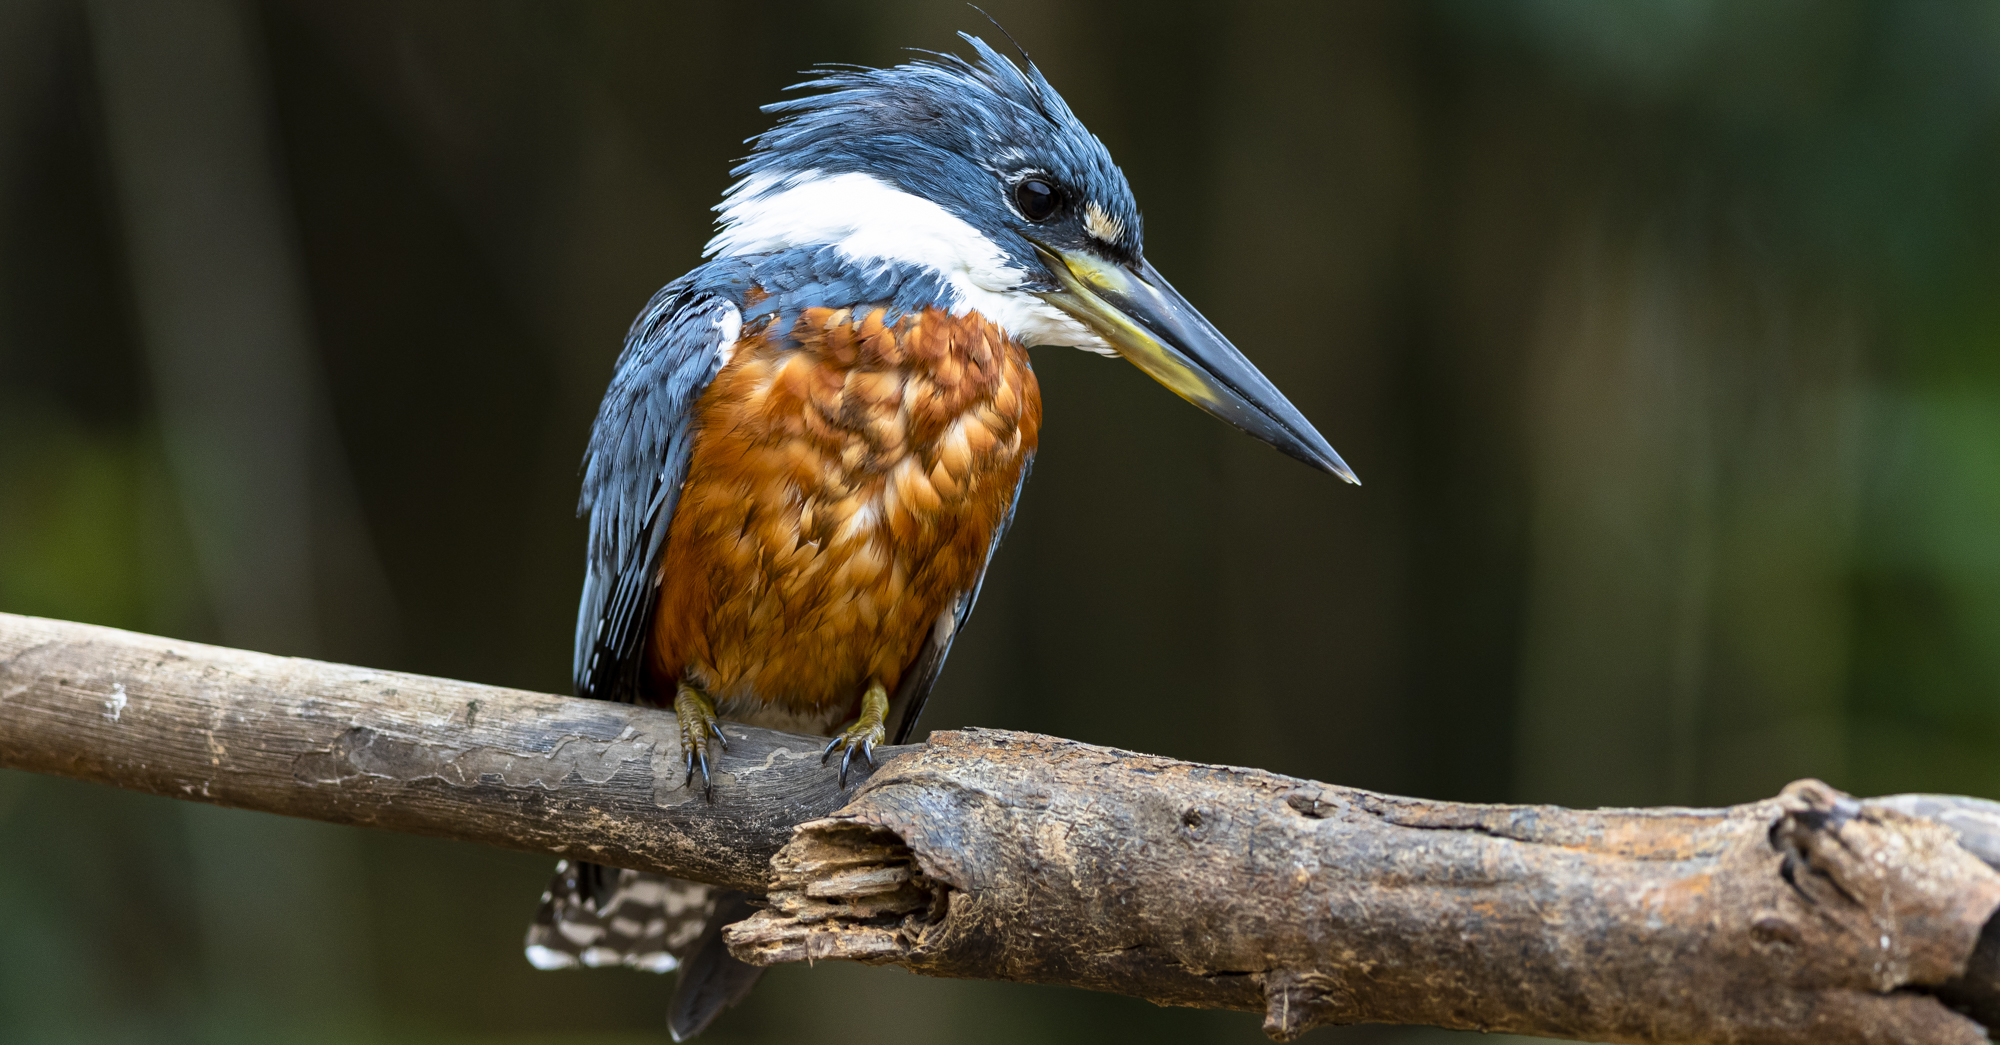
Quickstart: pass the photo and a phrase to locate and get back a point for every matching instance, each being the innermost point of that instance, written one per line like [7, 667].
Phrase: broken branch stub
[1808, 918]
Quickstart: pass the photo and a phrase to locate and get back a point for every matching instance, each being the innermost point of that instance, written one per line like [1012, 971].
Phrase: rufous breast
[845, 488]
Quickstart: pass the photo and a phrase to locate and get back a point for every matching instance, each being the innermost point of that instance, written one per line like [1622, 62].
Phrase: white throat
[867, 219]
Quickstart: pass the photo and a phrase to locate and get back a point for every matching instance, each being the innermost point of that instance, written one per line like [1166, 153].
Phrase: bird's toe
[867, 730]
[698, 723]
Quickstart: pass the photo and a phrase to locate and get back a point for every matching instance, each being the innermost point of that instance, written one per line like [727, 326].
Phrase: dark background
[1666, 335]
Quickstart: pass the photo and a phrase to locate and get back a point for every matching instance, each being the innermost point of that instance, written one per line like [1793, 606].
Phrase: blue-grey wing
[632, 476]
[922, 675]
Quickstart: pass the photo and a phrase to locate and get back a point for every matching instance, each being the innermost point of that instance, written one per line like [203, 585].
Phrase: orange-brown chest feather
[843, 492]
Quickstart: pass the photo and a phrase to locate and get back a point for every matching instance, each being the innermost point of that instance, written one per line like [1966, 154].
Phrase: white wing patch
[866, 218]
[730, 324]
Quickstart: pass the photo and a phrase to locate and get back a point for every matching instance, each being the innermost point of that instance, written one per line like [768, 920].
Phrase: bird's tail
[596, 916]
[712, 979]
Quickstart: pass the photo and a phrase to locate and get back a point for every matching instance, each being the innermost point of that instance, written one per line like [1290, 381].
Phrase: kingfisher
[813, 443]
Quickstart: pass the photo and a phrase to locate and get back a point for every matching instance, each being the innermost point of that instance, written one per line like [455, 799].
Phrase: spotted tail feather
[597, 916]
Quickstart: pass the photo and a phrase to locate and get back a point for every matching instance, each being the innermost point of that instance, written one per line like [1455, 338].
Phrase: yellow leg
[697, 719]
[864, 733]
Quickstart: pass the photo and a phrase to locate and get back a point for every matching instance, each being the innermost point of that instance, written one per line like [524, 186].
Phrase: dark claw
[716, 728]
[868, 751]
[845, 758]
[707, 788]
[827, 751]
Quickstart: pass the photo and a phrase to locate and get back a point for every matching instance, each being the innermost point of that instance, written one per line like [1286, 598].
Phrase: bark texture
[1812, 917]
[585, 779]
[1808, 918]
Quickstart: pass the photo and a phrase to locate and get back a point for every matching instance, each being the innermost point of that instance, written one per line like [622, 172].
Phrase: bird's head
[977, 172]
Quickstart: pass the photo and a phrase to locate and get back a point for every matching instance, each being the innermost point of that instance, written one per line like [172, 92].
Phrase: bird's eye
[1037, 199]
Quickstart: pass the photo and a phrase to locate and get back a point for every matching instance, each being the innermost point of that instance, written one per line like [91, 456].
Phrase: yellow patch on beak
[1102, 226]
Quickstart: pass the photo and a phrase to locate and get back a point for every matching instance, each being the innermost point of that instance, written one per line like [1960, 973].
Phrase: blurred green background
[1666, 334]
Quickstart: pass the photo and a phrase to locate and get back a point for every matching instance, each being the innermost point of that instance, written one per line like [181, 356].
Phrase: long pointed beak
[1141, 316]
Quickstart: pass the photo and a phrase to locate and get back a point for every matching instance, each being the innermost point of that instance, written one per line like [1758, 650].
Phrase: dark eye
[1037, 199]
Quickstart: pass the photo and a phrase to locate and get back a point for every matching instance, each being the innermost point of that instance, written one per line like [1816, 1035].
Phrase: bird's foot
[698, 722]
[864, 733]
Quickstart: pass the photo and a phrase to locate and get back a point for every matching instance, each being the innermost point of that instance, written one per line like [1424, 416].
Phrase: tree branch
[1806, 918]
[1811, 917]
[584, 779]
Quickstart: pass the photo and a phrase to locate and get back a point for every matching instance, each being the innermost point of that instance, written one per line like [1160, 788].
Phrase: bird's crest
[940, 127]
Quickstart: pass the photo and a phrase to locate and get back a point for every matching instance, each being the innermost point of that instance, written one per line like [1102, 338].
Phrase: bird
[813, 443]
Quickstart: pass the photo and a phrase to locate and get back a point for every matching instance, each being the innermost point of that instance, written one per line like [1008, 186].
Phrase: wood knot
[1194, 823]
[1890, 897]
